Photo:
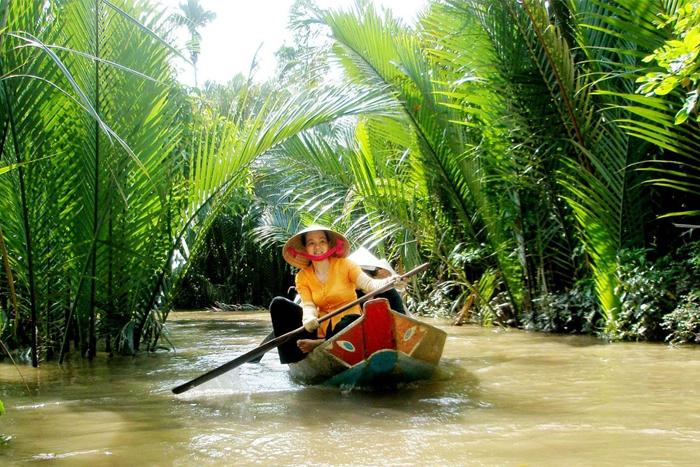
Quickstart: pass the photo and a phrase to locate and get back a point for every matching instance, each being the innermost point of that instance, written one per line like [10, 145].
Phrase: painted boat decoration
[380, 348]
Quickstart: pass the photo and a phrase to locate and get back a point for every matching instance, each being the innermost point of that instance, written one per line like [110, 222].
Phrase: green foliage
[679, 59]
[85, 226]
[646, 293]
[2, 409]
[193, 17]
[575, 311]
[298, 65]
[513, 157]
[499, 140]
[232, 267]
[635, 34]
[683, 323]
[101, 235]
[659, 300]
[437, 304]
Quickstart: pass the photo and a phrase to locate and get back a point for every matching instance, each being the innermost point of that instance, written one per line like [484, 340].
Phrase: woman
[326, 282]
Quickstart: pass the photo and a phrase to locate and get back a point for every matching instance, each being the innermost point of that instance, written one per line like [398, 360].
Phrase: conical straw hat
[294, 243]
[366, 260]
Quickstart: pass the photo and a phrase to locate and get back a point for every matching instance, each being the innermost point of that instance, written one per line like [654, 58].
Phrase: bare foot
[307, 345]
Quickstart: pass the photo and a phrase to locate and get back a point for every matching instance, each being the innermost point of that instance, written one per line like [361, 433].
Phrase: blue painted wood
[386, 367]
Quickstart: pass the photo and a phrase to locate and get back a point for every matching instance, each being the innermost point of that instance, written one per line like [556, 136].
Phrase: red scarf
[338, 248]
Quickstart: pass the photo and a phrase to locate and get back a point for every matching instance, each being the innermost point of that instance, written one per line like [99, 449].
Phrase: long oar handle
[277, 341]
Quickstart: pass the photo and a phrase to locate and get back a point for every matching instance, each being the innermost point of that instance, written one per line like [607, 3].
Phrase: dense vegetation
[542, 156]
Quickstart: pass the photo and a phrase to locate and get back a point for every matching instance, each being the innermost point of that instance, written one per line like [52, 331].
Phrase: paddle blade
[267, 339]
[235, 363]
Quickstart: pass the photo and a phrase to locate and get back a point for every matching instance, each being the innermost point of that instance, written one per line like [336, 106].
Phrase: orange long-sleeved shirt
[339, 289]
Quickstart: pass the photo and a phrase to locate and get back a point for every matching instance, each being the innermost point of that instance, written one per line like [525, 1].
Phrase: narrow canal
[501, 399]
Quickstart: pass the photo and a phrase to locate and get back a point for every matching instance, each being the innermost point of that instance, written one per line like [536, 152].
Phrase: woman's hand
[310, 323]
[400, 283]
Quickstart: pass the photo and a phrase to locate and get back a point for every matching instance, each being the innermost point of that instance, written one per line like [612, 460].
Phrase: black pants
[395, 302]
[286, 317]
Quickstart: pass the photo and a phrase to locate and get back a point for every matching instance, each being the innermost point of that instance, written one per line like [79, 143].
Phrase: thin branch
[15, 364]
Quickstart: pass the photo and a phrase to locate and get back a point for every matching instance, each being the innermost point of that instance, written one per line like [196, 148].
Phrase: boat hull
[380, 348]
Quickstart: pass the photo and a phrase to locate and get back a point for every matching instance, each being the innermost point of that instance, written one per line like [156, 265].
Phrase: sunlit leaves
[679, 59]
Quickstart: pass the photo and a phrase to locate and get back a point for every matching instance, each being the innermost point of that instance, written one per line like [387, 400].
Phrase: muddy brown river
[500, 399]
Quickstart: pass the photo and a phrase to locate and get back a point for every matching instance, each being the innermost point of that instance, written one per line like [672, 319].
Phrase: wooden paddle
[267, 339]
[277, 341]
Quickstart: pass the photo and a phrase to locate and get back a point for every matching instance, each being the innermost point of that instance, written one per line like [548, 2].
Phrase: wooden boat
[380, 348]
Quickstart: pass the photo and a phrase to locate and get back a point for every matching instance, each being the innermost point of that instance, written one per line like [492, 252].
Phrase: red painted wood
[354, 336]
[378, 327]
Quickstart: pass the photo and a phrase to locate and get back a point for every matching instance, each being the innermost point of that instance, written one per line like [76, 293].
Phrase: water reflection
[499, 399]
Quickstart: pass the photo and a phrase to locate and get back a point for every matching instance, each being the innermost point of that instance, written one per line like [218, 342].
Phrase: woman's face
[381, 273]
[316, 243]
[378, 273]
